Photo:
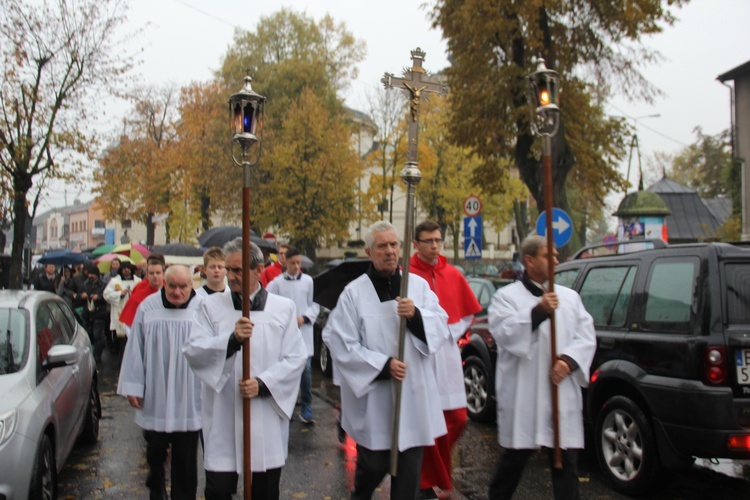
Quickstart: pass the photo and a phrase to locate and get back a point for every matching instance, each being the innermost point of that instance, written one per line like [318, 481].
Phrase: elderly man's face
[178, 286]
[233, 264]
[384, 252]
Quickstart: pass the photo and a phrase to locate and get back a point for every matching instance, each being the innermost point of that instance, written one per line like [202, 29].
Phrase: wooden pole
[247, 476]
[547, 158]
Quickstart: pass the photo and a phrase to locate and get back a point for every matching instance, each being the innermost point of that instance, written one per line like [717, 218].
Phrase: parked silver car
[48, 392]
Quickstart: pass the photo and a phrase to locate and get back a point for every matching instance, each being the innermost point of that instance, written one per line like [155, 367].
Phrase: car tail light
[738, 443]
[464, 339]
[715, 365]
[594, 376]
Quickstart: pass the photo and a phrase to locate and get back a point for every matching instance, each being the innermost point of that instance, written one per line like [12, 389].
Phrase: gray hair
[531, 244]
[379, 227]
[235, 245]
[174, 268]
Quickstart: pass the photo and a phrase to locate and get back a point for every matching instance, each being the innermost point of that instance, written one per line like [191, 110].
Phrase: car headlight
[7, 425]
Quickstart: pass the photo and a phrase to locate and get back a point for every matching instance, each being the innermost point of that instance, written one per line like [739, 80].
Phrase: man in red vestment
[155, 266]
[275, 269]
[457, 299]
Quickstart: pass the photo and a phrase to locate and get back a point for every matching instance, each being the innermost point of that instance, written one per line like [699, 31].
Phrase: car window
[738, 293]
[482, 292]
[48, 332]
[669, 294]
[14, 340]
[61, 319]
[606, 294]
[567, 277]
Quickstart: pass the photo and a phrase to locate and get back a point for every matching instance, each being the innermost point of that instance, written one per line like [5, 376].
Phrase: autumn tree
[594, 46]
[134, 177]
[314, 174]
[203, 147]
[387, 109]
[56, 56]
[288, 55]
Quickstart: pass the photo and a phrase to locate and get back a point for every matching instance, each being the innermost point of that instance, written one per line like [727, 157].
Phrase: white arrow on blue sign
[562, 226]
[473, 237]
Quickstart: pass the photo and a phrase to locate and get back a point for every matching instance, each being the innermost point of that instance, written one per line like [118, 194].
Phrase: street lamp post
[545, 121]
[246, 121]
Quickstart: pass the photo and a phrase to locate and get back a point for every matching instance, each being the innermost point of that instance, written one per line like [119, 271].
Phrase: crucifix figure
[415, 81]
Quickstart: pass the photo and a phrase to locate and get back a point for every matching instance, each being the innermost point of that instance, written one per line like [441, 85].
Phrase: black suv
[663, 390]
[671, 376]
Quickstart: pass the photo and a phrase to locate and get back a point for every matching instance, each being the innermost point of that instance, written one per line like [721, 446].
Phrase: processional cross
[415, 81]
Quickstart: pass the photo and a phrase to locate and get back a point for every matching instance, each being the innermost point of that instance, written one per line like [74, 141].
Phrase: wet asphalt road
[319, 467]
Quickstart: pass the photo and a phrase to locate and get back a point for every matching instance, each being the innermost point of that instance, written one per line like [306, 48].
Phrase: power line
[639, 123]
[207, 14]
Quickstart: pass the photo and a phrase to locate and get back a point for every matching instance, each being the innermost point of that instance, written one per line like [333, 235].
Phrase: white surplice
[201, 291]
[112, 294]
[300, 291]
[278, 356]
[361, 334]
[523, 387]
[154, 368]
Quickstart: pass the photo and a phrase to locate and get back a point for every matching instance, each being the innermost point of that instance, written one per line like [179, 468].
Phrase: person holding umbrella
[519, 322]
[45, 281]
[278, 356]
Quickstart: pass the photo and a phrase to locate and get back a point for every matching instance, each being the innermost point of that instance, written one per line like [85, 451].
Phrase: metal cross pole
[415, 81]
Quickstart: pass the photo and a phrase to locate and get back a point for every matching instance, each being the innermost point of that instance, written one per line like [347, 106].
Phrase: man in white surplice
[278, 356]
[519, 322]
[362, 335]
[298, 286]
[160, 385]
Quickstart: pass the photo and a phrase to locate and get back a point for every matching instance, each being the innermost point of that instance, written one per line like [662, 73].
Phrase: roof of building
[691, 220]
[732, 74]
[641, 203]
[721, 208]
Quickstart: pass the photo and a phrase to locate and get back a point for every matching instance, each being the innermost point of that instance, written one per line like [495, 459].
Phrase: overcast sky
[185, 40]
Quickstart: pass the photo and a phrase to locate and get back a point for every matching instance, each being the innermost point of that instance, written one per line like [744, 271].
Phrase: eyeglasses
[433, 241]
[235, 270]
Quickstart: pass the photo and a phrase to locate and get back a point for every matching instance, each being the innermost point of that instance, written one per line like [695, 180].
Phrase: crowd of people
[182, 363]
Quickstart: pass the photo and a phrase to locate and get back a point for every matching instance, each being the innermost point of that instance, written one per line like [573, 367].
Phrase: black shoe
[341, 432]
[427, 493]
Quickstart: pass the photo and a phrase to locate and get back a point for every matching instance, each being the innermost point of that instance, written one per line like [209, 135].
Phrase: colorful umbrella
[101, 250]
[105, 261]
[133, 250]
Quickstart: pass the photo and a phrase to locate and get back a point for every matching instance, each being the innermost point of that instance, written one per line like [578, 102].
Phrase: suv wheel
[478, 392]
[324, 358]
[625, 446]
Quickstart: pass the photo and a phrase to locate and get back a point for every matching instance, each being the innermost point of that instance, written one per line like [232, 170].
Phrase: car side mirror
[60, 355]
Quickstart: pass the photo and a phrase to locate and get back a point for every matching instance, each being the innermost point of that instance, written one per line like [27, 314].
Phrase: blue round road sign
[562, 226]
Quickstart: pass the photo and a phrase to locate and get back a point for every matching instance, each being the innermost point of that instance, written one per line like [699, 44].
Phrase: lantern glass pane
[248, 121]
[237, 119]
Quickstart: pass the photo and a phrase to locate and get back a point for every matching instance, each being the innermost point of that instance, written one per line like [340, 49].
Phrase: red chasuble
[451, 287]
[137, 294]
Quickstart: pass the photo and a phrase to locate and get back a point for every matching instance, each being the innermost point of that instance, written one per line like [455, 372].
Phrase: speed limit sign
[472, 206]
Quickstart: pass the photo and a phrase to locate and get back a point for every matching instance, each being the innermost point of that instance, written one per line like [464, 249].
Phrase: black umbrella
[62, 258]
[178, 249]
[329, 284]
[219, 236]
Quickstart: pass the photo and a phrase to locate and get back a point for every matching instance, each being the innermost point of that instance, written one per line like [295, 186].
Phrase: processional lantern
[246, 109]
[543, 89]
